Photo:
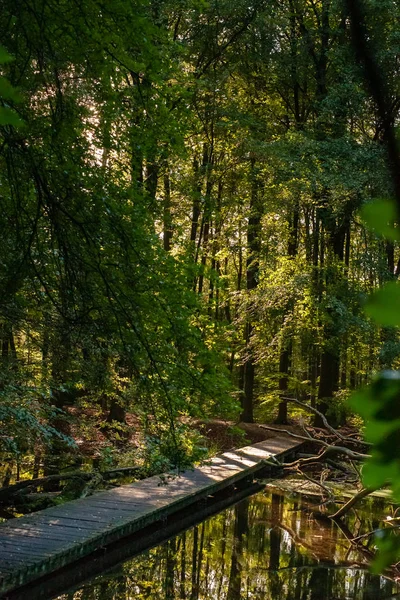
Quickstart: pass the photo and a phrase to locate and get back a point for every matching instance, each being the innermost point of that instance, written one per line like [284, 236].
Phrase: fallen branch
[307, 438]
[318, 483]
[6, 492]
[359, 496]
[329, 427]
[367, 552]
[340, 467]
[329, 450]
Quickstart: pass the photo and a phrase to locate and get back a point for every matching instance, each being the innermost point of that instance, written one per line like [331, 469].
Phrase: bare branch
[318, 483]
[307, 438]
[334, 431]
[359, 496]
[329, 450]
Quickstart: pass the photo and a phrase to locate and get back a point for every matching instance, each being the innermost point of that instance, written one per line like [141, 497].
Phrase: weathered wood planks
[41, 543]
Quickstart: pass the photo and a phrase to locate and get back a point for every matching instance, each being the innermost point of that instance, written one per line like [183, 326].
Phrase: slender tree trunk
[206, 237]
[167, 216]
[206, 225]
[287, 345]
[196, 203]
[252, 271]
[151, 179]
[330, 359]
[284, 366]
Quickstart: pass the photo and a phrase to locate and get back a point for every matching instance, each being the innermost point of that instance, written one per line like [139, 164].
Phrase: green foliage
[383, 304]
[388, 545]
[90, 298]
[25, 417]
[167, 162]
[8, 116]
[379, 406]
[163, 454]
[380, 216]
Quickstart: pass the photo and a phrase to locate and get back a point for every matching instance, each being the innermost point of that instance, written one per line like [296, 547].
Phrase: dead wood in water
[359, 496]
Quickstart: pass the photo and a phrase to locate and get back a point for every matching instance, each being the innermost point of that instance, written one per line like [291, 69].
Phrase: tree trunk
[252, 270]
[287, 345]
[167, 217]
[117, 412]
[284, 365]
[196, 204]
[328, 384]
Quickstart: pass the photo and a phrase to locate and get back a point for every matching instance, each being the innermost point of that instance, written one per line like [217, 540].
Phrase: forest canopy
[196, 204]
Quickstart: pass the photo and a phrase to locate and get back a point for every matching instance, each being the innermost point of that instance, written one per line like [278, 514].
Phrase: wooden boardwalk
[39, 544]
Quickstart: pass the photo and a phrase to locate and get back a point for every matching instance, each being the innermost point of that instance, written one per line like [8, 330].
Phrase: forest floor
[92, 435]
[218, 435]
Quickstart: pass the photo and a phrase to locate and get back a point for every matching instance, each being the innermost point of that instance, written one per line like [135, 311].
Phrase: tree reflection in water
[267, 547]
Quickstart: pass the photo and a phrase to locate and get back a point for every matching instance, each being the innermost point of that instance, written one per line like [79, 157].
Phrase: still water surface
[266, 547]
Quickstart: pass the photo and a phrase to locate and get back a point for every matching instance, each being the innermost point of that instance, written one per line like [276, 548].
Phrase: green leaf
[7, 91]
[4, 56]
[377, 473]
[380, 216]
[9, 117]
[376, 430]
[361, 402]
[383, 305]
[389, 550]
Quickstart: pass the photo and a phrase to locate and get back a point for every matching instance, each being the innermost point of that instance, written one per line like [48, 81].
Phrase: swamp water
[266, 547]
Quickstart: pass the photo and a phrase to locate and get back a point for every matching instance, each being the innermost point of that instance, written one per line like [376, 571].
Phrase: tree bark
[252, 271]
[167, 217]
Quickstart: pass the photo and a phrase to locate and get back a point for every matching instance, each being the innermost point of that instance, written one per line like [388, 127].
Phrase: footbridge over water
[49, 542]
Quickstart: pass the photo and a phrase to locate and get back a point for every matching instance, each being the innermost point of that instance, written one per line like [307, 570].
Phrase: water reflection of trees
[266, 547]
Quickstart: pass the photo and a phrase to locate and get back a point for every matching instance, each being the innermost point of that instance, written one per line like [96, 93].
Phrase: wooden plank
[34, 532]
[121, 505]
[58, 535]
[10, 543]
[73, 522]
[16, 558]
[38, 544]
[85, 514]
